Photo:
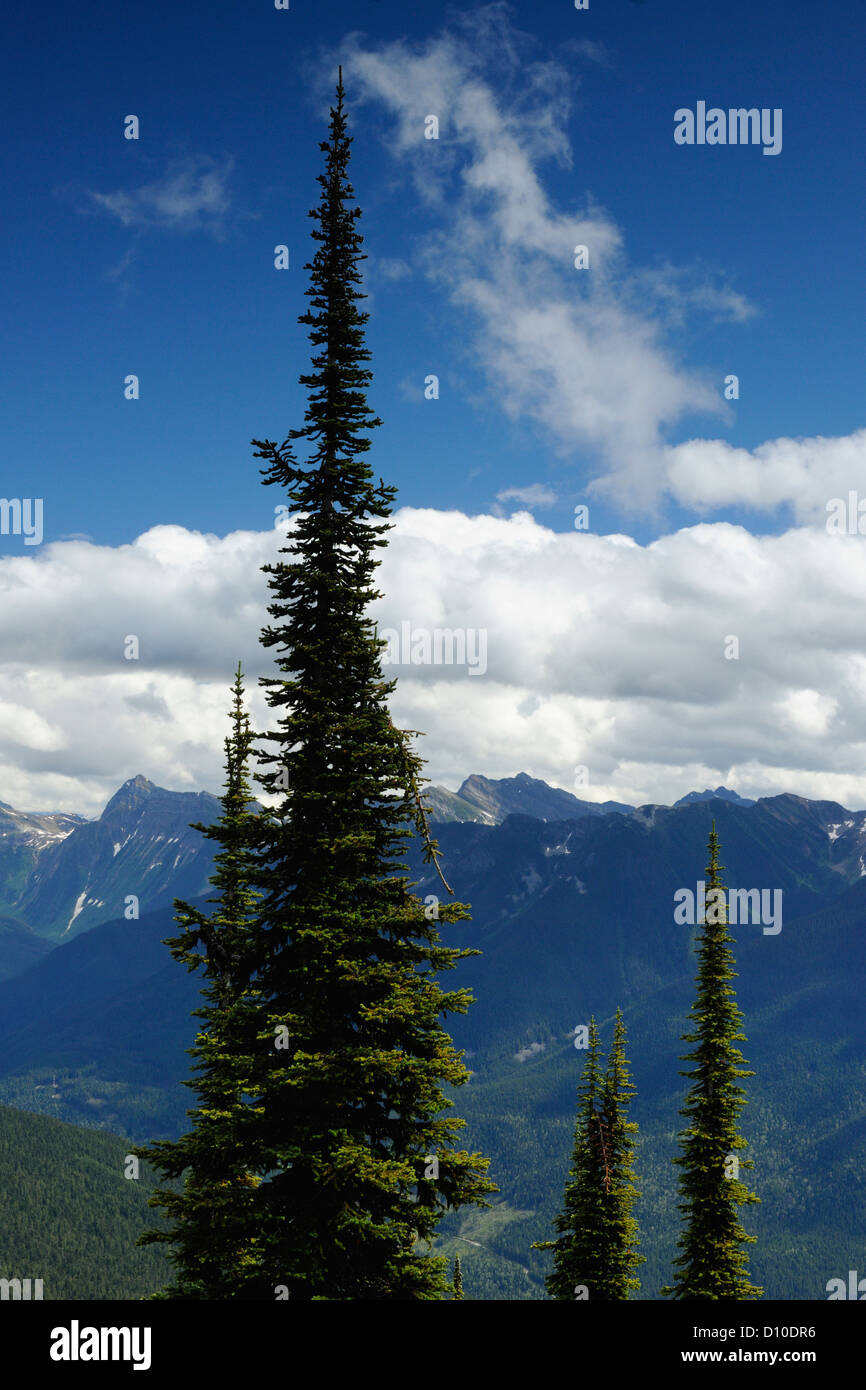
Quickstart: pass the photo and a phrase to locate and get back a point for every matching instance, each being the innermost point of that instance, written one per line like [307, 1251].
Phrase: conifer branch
[420, 813]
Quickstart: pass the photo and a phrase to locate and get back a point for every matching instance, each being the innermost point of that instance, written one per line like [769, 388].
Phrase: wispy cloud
[536, 495]
[582, 353]
[410, 389]
[391, 268]
[191, 195]
[592, 49]
[675, 292]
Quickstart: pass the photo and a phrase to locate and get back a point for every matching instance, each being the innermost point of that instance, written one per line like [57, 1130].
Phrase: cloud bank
[601, 653]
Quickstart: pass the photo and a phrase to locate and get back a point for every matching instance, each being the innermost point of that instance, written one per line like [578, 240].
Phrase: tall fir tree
[458, 1279]
[212, 1237]
[595, 1253]
[362, 1160]
[620, 1192]
[712, 1263]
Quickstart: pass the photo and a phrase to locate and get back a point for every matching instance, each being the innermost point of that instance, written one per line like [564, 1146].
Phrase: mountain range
[573, 912]
[61, 874]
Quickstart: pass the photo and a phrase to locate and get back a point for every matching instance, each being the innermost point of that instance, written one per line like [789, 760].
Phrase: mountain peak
[496, 798]
[720, 794]
[133, 792]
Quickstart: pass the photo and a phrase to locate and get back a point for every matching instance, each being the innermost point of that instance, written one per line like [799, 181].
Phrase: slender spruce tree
[458, 1279]
[576, 1266]
[619, 1184]
[712, 1263]
[212, 1237]
[361, 1159]
[595, 1253]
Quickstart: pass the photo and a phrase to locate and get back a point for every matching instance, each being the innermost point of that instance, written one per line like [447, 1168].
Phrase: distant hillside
[572, 916]
[24, 836]
[489, 801]
[61, 875]
[805, 1120]
[119, 1010]
[720, 794]
[69, 1217]
[19, 948]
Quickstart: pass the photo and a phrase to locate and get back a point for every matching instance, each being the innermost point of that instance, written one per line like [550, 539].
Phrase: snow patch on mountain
[79, 907]
[834, 831]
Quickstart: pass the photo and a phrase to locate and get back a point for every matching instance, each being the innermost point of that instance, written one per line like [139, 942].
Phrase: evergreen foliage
[712, 1263]
[349, 1122]
[620, 1191]
[213, 1237]
[69, 1215]
[595, 1252]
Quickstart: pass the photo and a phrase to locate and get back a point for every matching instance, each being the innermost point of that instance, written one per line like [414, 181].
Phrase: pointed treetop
[341, 91]
[714, 868]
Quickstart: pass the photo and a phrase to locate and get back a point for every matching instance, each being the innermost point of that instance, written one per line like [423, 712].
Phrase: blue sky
[196, 309]
[607, 649]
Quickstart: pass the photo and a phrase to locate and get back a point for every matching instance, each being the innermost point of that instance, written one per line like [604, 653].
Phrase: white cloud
[705, 474]
[809, 711]
[675, 291]
[536, 495]
[580, 352]
[27, 729]
[411, 389]
[193, 193]
[600, 652]
[584, 354]
[593, 50]
[391, 268]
